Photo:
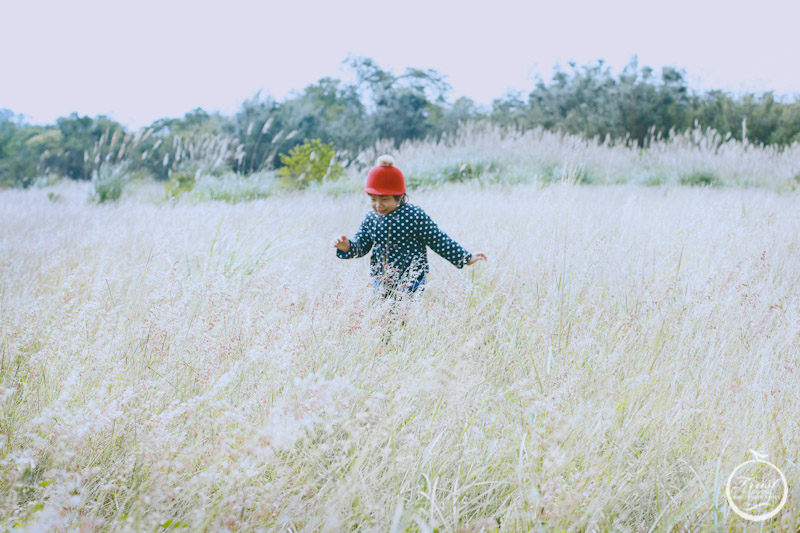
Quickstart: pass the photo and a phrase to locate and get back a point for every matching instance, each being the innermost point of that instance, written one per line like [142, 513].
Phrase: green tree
[511, 111]
[87, 143]
[446, 118]
[257, 127]
[18, 158]
[403, 107]
[331, 111]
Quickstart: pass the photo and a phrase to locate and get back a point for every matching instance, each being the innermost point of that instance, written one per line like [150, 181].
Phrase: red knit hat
[385, 179]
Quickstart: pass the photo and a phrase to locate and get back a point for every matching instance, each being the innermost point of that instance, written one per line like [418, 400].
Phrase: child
[398, 233]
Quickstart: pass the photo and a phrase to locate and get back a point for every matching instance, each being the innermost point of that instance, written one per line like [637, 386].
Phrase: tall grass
[215, 366]
[479, 152]
[696, 157]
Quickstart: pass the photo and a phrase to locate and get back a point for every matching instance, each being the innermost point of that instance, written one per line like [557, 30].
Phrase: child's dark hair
[401, 198]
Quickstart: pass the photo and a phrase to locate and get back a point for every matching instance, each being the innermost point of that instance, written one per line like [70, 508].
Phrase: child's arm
[430, 234]
[360, 244]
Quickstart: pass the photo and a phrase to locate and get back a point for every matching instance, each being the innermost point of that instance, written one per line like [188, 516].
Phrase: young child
[398, 234]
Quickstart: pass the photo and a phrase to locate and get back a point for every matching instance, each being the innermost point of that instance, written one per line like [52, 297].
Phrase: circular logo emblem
[757, 489]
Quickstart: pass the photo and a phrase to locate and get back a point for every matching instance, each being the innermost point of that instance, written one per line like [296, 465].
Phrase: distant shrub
[349, 184]
[550, 172]
[790, 185]
[460, 171]
[46, 180]
[464, 171]
[700, 178]
[181, 180]
[108, 182]
[655, 178]
[310, 162]
[571, 170]
[234, 188]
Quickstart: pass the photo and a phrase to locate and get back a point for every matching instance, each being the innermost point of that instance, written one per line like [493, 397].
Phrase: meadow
[206, 365]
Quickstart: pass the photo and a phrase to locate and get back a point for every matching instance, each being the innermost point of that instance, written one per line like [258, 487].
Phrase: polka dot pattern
[399, 243]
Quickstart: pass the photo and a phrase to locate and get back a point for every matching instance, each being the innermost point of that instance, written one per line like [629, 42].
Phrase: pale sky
[137, 61]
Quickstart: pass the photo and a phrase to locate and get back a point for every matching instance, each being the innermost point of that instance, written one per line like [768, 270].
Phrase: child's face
[383, 205]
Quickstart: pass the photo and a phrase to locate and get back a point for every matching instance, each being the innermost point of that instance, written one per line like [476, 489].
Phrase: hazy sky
[137, 61]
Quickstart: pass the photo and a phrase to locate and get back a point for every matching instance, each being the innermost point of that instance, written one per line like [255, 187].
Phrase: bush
[180, 181]
[700, 178]
[654, 178]
[234, 188]
[464, 171]
[310, 162]
[460, 171]
[47, 180]
[108, 181]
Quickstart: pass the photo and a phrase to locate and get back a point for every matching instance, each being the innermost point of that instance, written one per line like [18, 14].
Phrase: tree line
[635, 105]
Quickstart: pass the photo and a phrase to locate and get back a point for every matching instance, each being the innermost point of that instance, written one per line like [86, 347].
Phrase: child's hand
[477, 257]
[342, 243]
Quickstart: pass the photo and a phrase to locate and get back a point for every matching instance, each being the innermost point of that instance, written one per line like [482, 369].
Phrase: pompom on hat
[385, 179]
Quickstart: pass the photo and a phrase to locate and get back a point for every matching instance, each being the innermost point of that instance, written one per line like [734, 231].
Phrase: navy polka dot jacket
[398, 241]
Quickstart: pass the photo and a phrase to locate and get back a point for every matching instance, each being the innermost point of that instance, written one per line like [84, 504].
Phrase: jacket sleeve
[430, 234]
[360, 244]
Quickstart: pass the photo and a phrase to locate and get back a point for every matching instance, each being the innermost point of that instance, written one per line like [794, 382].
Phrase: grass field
[215, 366]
